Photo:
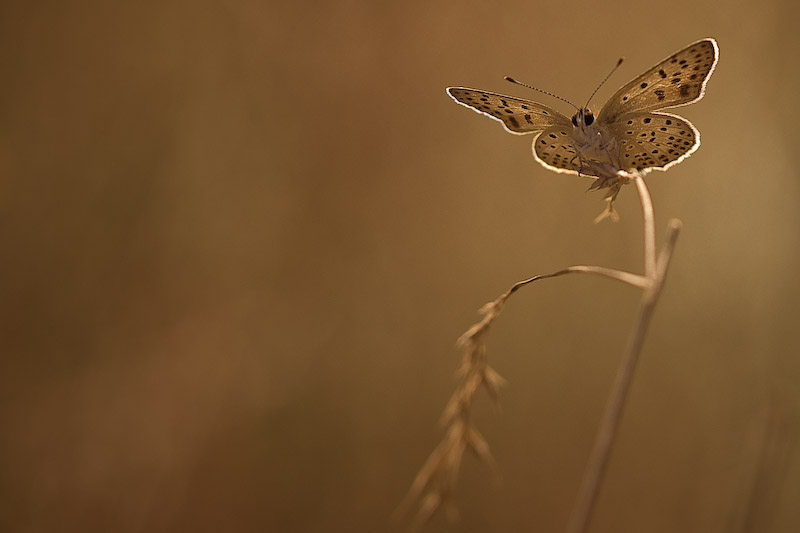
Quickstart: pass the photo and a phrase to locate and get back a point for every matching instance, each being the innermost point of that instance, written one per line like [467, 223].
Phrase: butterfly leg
[616, 156]
[582, 162]
[597, 167]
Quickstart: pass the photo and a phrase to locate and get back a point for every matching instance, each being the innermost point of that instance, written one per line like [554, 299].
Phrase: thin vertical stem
[656, 273]
[649, 224]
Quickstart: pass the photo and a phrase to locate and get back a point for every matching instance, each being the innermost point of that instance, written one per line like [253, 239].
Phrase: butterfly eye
[575, 120]
[588, 118]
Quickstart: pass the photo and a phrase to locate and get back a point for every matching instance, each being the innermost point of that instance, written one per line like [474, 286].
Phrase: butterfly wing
[554, 149]
[678, 80]
[518, 116]
[654, 140]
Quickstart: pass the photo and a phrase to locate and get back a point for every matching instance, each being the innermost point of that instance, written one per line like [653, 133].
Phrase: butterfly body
[592, 141]
[629, 132]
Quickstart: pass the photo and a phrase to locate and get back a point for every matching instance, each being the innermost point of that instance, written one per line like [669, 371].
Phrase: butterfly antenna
[619, 62]
[512, 80]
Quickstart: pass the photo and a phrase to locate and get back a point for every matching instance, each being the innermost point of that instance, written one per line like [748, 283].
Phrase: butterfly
[629, 132]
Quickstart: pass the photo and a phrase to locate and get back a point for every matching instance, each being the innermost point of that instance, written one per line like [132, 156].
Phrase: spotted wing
[517, 115]
[654, 140]
[678, 80]
[554, 149]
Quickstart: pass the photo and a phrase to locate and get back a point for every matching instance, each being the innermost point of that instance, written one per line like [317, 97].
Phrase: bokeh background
[239, 240]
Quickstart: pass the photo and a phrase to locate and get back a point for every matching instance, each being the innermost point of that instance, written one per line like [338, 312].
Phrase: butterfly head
[584, 117]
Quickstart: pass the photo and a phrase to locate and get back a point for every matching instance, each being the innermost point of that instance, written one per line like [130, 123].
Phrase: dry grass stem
[601, 453]
[435, 483]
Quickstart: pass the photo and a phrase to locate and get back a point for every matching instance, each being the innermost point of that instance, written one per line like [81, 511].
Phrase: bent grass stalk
[433, 486]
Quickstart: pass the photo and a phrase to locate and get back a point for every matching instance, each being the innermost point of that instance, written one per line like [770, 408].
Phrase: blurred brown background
[239, 240]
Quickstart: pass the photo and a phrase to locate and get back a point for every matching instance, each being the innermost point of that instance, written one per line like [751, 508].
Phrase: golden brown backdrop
[239, 240]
